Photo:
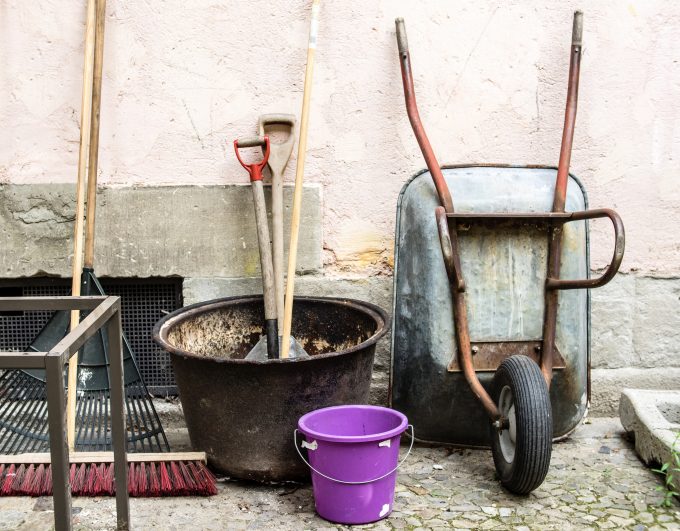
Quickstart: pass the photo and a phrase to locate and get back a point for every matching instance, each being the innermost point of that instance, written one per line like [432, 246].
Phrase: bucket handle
[295, 434]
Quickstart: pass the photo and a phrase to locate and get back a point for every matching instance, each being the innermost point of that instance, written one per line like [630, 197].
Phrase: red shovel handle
[255, 169]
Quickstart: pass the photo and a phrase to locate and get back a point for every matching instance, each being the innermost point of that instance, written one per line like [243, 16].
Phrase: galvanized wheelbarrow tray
[491, 332]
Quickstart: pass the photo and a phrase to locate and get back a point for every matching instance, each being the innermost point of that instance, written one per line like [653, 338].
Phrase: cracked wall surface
[490, 78]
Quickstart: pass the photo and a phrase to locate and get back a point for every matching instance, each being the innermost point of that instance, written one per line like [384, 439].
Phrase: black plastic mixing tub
[243, 413]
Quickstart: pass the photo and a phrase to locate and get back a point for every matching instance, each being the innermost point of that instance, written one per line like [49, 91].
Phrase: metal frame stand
[105, 312]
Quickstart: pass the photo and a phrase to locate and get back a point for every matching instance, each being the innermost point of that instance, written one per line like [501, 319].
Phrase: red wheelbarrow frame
[447, 220]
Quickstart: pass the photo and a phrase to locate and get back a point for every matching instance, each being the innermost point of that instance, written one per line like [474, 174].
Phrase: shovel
[268, 345]
[279, 154]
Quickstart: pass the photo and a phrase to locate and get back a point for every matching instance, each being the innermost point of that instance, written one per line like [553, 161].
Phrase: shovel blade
[259, 352]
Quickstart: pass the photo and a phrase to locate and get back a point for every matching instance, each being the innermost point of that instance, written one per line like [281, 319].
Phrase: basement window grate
[144, 302]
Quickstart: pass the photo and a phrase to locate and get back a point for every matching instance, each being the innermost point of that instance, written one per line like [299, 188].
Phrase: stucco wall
[183, 79]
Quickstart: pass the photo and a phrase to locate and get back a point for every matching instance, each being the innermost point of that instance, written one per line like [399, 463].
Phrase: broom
[91, 473]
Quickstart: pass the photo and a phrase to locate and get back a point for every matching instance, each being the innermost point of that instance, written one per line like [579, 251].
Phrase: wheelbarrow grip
[577, 30]
[619, 248]
[402, 41]
[451, 257]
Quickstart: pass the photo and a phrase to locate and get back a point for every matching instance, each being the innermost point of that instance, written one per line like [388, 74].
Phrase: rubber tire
[534, 427]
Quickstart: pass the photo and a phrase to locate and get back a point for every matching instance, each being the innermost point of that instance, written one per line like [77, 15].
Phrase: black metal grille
[144, 303]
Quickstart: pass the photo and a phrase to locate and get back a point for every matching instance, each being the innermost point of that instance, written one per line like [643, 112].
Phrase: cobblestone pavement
[595, 482]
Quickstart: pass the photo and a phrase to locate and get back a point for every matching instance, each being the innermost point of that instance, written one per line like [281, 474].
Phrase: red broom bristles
[154, 483]
[109, 485]
[92, 482]
[9, 479]
[197, 479]
[175, 478]
[78, 485]
[18, 479]
[205, 482]
[209, 479]
[132, 480]
[141, 480]
[97, 488]
[38, 481]
[166, 482]
[47, 483]
[179, 486]
[27, 482]
[188, 480]
[72, 473]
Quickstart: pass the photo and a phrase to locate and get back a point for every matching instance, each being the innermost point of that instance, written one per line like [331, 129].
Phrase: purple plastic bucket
[353, 454]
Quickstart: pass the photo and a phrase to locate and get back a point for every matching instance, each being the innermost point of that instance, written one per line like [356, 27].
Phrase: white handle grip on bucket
[295, 434]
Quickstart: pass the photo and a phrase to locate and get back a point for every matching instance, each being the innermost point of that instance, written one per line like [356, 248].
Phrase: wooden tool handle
[265, 251]
[299, 176]
[85, 124]
[94, 133]
[268, 288]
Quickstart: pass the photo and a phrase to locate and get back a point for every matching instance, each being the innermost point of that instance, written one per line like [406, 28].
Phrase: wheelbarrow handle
[414, 117]
[619, 247]
[451, 255]
[402, 40]
[255, 169]
[577, 29]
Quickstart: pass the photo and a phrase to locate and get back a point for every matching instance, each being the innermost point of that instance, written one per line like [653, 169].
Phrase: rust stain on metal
[488, 355]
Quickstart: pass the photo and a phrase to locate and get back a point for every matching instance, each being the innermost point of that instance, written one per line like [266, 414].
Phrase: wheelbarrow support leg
[555, 233]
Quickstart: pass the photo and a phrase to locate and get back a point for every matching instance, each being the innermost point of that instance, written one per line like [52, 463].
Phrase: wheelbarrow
[511, 264]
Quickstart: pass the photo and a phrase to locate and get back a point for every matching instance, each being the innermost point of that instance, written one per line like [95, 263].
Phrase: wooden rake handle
[77, 266]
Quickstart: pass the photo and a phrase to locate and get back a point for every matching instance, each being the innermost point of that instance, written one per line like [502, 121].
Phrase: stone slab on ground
[654, 418]
[596, 481]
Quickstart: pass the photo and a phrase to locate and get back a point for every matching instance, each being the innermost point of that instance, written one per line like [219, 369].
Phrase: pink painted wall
[182, 79]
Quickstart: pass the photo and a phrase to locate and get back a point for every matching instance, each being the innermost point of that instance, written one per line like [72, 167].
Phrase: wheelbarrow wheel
[521, 447]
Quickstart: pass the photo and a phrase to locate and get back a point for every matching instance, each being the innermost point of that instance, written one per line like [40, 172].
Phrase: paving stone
[645, 517]
[490, 524]
[622, 522]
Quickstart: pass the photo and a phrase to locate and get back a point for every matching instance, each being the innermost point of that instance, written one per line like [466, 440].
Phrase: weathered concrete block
[636, 323]
[377, 290]
[608, 383]
[612, 321]
[656, 327]
[147, 231]
[36, 229]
